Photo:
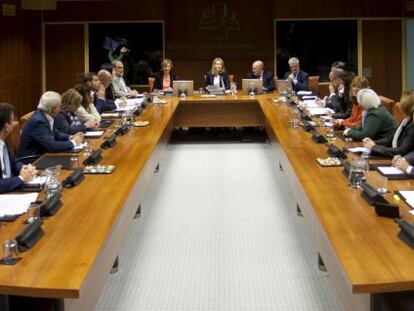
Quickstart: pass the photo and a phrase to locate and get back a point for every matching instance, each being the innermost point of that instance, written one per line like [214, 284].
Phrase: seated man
[118, 82]
[107, 102]
[39, 135]
[299, 78]
[13, 174]
[258, 72]
[338, 99]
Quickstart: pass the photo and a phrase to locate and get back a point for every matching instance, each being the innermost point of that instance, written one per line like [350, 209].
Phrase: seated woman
[218, 75]
[164, 79]
[87, 110]
[377, 122]
[355, 119]
[67, 121]
[402, 142]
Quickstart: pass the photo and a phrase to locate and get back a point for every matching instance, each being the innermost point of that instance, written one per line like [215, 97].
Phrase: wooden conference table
[69, 266]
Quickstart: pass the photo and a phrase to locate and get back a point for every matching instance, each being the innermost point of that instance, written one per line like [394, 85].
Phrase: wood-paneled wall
[242, 32]
[20, 61]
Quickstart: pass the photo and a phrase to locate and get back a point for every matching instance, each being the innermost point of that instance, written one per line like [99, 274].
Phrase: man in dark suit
[299, 78]
[13, 174]
[105, 102]
[39, 135]
[258, 72]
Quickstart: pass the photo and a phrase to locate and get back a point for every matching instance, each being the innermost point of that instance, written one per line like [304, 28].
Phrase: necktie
[6, 161]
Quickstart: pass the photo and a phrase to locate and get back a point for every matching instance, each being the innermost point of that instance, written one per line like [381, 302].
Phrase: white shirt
[51, 120]
[217, 81]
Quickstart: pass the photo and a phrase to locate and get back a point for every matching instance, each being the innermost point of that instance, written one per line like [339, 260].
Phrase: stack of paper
[320, 111]
[304, 92]
[15, 204]
[130, 104]
[359, 150]
[390, 170]
[408, 196]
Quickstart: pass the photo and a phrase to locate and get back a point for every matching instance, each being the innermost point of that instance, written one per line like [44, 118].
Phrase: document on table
[131, 103]
[310, 103]
[16, 204]
[408, 196]
[304, 93]
[390, 170]
[93, 134]
[320, 111]
[79, 147]
[39, 180]
[308, 97]
[359, 150]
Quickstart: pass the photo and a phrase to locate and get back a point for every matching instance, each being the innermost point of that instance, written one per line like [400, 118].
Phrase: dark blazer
[13, 183]
[268, 82]
[224, 79]
[159, 77]
[303, 81]
[106, 104]
[37, 137]
[379, 124]
[341, 104]
[405, 143]
[63, 124]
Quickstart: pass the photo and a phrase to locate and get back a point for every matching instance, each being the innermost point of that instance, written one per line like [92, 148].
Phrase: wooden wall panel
[20, 61]
[382, 56]
[64, 54]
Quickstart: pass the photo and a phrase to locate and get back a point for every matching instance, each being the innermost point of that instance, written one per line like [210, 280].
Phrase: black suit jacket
[14, 182]
[268, 82]
[405, 143]
[159, 76]
[37, 137]
[303, 81]
[62, 124]
[224, 81]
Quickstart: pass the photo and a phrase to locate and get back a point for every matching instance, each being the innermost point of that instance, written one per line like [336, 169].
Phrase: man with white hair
[107, 102]
[39, 136]
[258, 72]
[377, 122]
[299, 78]
[118, 82]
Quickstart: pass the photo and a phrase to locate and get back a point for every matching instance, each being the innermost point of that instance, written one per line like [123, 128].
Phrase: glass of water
[294, 118]
[357, 173]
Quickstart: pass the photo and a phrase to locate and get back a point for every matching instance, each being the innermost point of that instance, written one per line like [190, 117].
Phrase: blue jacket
[13, 183]
[37, 137]
[63, 124]
[303, 81]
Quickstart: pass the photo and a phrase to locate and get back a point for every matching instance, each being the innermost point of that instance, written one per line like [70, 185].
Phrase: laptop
[284, 86]
[255, 85]
[183, 86]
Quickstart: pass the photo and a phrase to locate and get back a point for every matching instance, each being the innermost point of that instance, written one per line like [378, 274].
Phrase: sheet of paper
[93, 133]
[359, 150]
[390, 170]
[39, 180]
[16, 204]
[304, 93]
[80, 147]
[310, 103]
[408, 195]
[308, 97]
[320, 111]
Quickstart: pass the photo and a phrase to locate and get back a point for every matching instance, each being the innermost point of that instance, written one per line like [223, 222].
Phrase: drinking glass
[32, 213]
[357, 173]
[10, 252]
[294, 118]
[233, 88]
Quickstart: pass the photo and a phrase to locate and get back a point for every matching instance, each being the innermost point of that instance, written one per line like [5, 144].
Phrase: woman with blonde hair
[218, 75]
[67, 121]
[164, 78]
[402, 142]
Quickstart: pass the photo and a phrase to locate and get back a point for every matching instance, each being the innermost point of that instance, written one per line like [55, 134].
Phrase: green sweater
[378, 124]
